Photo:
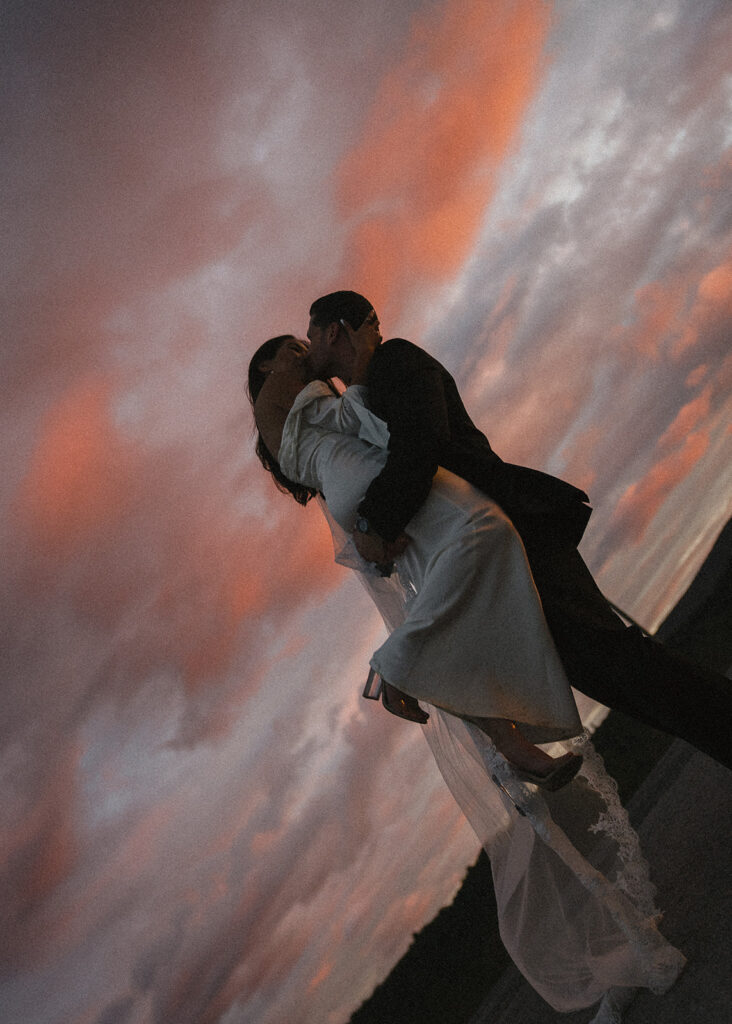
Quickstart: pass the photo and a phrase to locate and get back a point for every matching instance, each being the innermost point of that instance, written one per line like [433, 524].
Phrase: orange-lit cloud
[642, 501]
[696, 376]
[260, 574]
[202, 813]
[660, 308]
[687, 420]
[322, 973]
[712, 305]
[716, 286]
[419, 180]
[79, 477]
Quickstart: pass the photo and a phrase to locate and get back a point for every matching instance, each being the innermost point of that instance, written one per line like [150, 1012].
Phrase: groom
[429, 427]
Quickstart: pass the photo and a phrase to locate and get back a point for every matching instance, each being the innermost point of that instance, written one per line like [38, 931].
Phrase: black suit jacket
[429, 427]
[617, 666]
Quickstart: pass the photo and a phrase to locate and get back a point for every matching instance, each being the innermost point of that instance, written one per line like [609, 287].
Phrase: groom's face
[321, 353]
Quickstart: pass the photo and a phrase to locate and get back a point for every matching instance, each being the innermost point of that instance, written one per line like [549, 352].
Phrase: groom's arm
[406, 388]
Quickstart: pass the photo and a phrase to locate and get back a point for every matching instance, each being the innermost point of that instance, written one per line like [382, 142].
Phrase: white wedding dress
[467, 636]
[475, 641]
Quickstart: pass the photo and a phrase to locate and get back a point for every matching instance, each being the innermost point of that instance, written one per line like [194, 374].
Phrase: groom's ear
[332, 331]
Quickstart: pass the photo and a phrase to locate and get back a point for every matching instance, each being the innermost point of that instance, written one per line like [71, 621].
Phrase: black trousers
[623, 668]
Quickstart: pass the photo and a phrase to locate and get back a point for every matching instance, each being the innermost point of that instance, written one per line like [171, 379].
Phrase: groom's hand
[364, 343]
[374, 548]
[367, 337]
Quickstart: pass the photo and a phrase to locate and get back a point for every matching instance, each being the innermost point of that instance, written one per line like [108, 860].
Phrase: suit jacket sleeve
[406, 389]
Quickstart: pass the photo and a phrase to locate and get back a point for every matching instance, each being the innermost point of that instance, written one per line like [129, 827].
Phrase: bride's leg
[511, 742]
[524, 755]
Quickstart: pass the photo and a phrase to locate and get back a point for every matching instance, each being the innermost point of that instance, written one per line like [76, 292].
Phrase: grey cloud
[118, 1012]
[170, 205]
[577, 263]
[246, 941]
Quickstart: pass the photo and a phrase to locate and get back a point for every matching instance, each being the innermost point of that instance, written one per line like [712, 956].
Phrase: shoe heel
[374, 686]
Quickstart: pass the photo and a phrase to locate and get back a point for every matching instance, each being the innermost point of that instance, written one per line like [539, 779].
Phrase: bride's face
[292, 358]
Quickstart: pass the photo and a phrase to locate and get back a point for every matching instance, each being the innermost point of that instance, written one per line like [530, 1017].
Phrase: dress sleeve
[346, 414]
[292, 457]
[316, 411]
[408, 392]
[358, 418]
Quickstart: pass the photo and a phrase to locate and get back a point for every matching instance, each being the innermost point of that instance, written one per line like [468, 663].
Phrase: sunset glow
[202, 820]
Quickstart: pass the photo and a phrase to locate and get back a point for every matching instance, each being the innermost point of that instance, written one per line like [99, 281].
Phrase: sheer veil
[575, 904]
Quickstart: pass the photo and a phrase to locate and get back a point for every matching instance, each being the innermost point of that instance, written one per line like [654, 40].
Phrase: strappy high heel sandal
[395, 702]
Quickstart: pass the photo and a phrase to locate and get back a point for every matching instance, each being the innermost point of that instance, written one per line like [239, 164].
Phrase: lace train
[576, 906]
[575, 903]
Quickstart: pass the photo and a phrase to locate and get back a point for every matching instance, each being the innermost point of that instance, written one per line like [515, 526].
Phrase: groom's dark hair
[337, 306]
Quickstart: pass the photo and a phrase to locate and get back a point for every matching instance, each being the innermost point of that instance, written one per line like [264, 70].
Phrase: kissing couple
[504, 614]
[493, 617]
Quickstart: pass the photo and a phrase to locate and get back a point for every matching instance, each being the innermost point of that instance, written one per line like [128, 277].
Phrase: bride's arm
[349, 414]
[316, 403]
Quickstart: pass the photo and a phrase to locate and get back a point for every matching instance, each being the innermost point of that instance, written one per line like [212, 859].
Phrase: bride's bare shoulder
[271, 407]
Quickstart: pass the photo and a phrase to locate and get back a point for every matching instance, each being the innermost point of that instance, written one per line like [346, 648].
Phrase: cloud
[687, 420]
[660, 316]
[417, 182]
[641, 502]
[39, 856]
[80, 472]
[160, 597]
[201, 816]
[579, 318]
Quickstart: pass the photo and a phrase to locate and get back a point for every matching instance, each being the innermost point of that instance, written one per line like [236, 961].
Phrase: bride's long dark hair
[257, 377]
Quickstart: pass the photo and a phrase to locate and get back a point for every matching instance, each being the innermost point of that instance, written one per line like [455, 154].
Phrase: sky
[202, 821]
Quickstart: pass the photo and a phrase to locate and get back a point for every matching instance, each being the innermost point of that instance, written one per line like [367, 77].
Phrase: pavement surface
[683, 814]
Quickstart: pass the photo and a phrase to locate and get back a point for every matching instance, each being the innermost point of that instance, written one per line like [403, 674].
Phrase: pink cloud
[419, 180]
[710, 309]
[155, 577]
[641, 501]
[81, 472]
[660, 310]
[715, 288]
[689, 418]
[696, 376]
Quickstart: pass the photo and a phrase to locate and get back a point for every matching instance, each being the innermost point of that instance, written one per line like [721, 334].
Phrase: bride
[468, 638]
[474, 641]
